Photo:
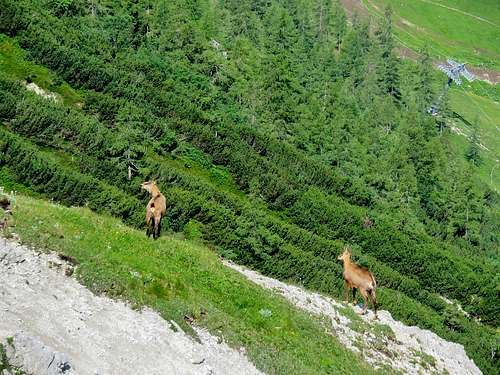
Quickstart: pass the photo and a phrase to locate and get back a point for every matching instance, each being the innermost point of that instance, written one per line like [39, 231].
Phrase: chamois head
[149, 186]
[346, 255]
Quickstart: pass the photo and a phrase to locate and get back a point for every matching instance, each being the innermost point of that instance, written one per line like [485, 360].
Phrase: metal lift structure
[454, 71]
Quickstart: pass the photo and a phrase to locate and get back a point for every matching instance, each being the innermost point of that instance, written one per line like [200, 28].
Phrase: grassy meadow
[466, 31]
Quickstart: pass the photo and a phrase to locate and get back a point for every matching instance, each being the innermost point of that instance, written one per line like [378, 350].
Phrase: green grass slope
[180, 278]
[484, 113]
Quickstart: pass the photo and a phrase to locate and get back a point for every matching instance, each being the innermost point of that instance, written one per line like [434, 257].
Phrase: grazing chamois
[155, 209]
[356, 277]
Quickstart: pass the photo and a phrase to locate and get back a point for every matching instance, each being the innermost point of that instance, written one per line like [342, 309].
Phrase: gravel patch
[51, 324]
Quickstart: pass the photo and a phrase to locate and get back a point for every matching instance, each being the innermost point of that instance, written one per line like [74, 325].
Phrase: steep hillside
[50, 324]
[183, 281]
[278, 134]
[49, 320]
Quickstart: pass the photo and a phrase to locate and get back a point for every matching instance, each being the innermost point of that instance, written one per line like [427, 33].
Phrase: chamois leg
[347, 286]
[150, 228]
[354, 300]
[154, 229]
[157, 228]
[364, 293]
[374, 302]
[148, 222]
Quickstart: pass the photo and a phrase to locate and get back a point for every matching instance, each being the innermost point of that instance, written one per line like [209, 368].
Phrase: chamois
[155, 209]
[356, 277]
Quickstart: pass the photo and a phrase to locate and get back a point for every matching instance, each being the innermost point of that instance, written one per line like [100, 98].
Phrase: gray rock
[34, 357]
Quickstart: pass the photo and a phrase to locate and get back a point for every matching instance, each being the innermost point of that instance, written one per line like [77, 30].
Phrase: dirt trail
[50, 324]
[410, 350]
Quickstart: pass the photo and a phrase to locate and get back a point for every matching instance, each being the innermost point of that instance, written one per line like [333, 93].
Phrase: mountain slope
[409, 350]
[46, 312]
[52, 324]
[183, 281]
[278, 133]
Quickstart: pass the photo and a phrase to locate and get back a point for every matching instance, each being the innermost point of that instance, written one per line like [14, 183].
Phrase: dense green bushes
[331, 217]
[274, 170]
[328, 216]
[241, 231]
[43, 173]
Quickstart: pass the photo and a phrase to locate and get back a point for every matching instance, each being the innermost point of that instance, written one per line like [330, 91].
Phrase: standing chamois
[356, 277]
[155, 209]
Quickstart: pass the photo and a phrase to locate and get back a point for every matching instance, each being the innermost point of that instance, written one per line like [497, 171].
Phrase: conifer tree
[423, 87]
[356, 47]
[388, 65]
[338, 23]
[129, 145]
[280, 68]
[464, 206]
[473, 154]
